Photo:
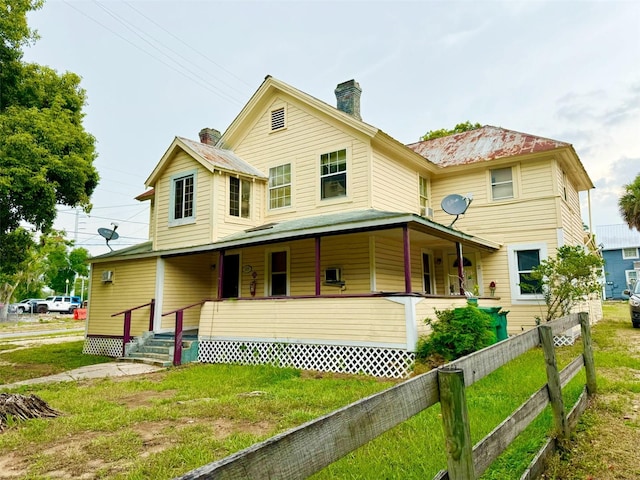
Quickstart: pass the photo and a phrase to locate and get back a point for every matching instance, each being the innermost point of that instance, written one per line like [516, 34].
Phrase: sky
[153, 70]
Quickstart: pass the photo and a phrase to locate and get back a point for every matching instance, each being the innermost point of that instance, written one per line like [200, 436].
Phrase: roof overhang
[321, 226]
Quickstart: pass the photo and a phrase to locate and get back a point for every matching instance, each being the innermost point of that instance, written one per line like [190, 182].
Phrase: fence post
[587, 353]
[455, 420]
[553, 382]
[177, 347]
[126, 337]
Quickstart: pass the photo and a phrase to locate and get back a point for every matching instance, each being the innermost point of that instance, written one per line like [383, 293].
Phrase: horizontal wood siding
[187, 280]
[352, 320]
[389, 265]
[225, 224]
[197, 233]
[133, 285]
[395, 186]
[301, 143]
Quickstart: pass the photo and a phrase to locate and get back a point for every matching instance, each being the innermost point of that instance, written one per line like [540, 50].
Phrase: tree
[443, 132]
[629, 204]
[46, 156]
[572, 276]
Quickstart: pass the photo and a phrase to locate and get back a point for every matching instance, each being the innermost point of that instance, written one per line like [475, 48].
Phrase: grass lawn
[164, 424]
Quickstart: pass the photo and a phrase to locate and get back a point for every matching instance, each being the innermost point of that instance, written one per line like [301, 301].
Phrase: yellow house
[307, 237]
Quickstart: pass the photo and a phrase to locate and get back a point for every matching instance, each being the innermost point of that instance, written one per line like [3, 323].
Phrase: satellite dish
[455, 204]
[109, 234]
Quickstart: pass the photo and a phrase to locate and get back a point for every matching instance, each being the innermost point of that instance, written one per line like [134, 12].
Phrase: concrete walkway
[101, 370]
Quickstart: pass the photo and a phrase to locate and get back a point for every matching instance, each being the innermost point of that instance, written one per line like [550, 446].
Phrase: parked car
[634, 304]
[59, 303]
[28, 305]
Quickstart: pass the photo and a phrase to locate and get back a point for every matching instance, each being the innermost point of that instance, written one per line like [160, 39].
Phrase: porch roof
[309, 227]
[336, 224]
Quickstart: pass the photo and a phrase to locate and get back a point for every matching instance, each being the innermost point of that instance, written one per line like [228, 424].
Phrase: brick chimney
[348, 96]
[209, 136]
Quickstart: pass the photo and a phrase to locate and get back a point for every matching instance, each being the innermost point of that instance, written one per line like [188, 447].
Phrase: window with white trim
[522, 260]
[632, 277]
[239, 197]
[280, 186]
[182, 199]
[501, 183]
[278, 273]
[333, 174]
[424, 197]
[428, 284]
[277, 119]
[628, 253]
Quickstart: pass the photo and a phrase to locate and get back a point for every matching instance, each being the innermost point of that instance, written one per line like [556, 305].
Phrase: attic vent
[277, 119]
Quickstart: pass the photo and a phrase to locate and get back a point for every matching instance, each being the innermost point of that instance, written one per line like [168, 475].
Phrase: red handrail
[177, 346]
[126, 334]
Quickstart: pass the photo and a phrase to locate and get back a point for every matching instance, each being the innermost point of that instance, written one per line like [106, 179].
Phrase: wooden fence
[303, 451]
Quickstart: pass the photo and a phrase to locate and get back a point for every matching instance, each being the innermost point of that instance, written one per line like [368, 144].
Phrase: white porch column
[411, 327]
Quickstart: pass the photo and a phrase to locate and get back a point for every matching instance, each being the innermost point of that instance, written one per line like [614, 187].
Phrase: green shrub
[456, 333]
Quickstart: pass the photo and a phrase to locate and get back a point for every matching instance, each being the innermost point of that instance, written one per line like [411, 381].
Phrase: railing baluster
[126, 337]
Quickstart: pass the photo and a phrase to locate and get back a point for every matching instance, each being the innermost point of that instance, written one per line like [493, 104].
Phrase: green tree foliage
[629, 204]
[456, 333]
[443, 132]
[62, 265]
[46, 156]
[572, 276]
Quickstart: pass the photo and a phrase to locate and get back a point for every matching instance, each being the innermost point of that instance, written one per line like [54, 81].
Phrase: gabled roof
[210, 157]
[616, 237]
[481, 145]
[271, 87]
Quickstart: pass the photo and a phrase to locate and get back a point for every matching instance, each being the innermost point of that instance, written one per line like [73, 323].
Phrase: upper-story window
[424, 197]
[628, 253]
[501, 183]
[333, 174]
[239, 197]
[278, 119]
[183, 187]
[564, 186]
[280, 186]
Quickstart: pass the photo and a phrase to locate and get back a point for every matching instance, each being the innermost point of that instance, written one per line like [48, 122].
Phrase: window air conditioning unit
[426, 212]
[107, 276]
[332, 276]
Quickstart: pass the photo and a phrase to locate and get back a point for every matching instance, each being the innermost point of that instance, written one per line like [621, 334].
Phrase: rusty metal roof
[222, 159]
[483, 144]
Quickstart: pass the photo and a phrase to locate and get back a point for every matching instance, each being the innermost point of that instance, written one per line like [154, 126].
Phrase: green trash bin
[498, 321]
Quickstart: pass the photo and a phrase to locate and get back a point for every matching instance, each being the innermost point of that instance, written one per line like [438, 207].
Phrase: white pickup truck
[59, 303]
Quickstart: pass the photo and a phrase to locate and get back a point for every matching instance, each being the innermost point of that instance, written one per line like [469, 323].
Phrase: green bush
[456, 333]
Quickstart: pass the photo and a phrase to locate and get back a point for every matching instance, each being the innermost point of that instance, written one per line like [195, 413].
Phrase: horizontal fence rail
[303, 451]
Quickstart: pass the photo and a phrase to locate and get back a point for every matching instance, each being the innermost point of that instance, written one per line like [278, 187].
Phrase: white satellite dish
[455, 204]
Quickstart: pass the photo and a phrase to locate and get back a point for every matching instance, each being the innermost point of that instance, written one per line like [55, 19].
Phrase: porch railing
[179, 313]
[126, 334]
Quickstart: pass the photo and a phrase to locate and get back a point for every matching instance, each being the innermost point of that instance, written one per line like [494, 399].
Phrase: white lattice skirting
[109, 347]
[378, 362]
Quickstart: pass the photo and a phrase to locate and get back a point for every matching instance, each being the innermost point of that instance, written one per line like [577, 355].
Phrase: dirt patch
[144, 398]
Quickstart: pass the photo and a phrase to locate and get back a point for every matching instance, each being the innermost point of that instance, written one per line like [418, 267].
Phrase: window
[628, 253]
[239, 197]
[427, 275]
[522, 260]
[424, 197]
[564, 186]
[182, 198]
[632, 277]
[277, 119]
[278, 267]
[280, 186]
[333, 174]
[501, 183]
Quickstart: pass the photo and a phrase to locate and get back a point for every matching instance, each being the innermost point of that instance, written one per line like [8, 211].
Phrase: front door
[231, 276]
